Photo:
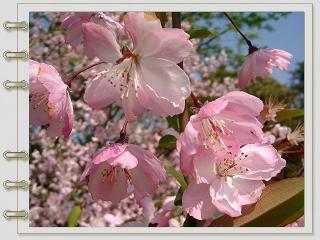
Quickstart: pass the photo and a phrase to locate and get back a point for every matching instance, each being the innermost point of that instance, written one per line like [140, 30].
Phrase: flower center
[39, 98]
[230, 166]
[123, 76]
[112, 173]
[212, 130]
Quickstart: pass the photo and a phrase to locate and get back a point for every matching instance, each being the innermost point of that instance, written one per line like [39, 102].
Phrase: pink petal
[144, 184]
[244, 129]
[263, 162]
[108, 188]
[130, 103]
[100, 92]
[188, 143]
[147, 175]
[35, 86]
[169, 44]
[38, 114]
[148, 162]
[73, 25]
[243, 103]
[197, 201]
[100, 42]
[60, 114]
[68, 118]
[51, 79]
[205, 167]
[148, 208]
[109, 153]
[210, 109]
[225, 197]
[245, 74]
[137, 26]
[249, 190]
[159, 75]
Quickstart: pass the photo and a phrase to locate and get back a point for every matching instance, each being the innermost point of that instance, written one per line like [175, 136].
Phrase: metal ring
[12, 84]
[12, 184]
[23, 25]
[15, 155]
[8, 214]
[13, 55]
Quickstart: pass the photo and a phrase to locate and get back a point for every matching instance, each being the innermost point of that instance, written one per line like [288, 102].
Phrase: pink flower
[261, 62]
[73, 25]
[221, 126]
[121, 169]
[162, 217]
[144, 76]
[226, 182]
[50, 101]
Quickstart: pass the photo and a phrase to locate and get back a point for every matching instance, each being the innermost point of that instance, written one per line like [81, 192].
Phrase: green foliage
[178, 176]
[200, 33]
[74, 216]
[281, 203]
[173, 122]
[289, 114]
[167, 142]
[269, 87]
[178, 199]
[297, 84]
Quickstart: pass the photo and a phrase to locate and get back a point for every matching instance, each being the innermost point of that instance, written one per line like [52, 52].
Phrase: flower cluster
[223, 152]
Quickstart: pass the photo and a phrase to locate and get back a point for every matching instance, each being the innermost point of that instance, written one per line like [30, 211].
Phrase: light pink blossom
[73, 25]
[260, 63]
[50, 101]
[226, 182]
[121, 169]
[224, 124]
[144, 75]
[162, 217]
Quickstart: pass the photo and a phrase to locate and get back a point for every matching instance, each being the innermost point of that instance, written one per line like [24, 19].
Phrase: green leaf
[288, 114]
[178, 176]
[178, 198]
[173, 122]
[281, 203]
[199, 33]
[74, 216]
[217, 215]
[168, 142]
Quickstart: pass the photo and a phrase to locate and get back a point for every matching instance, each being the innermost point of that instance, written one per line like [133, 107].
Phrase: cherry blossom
[222, 125]
[226, 182]
[144, 75]
[260, 63]
[73, 25]
[163, 216]
[50, 102]
[119, 169]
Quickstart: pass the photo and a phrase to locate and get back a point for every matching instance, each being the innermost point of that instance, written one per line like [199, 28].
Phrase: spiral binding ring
[12, 84]
[11, 184]
[23, 25]
[15, 155]
[12, 55]
[8, 214]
